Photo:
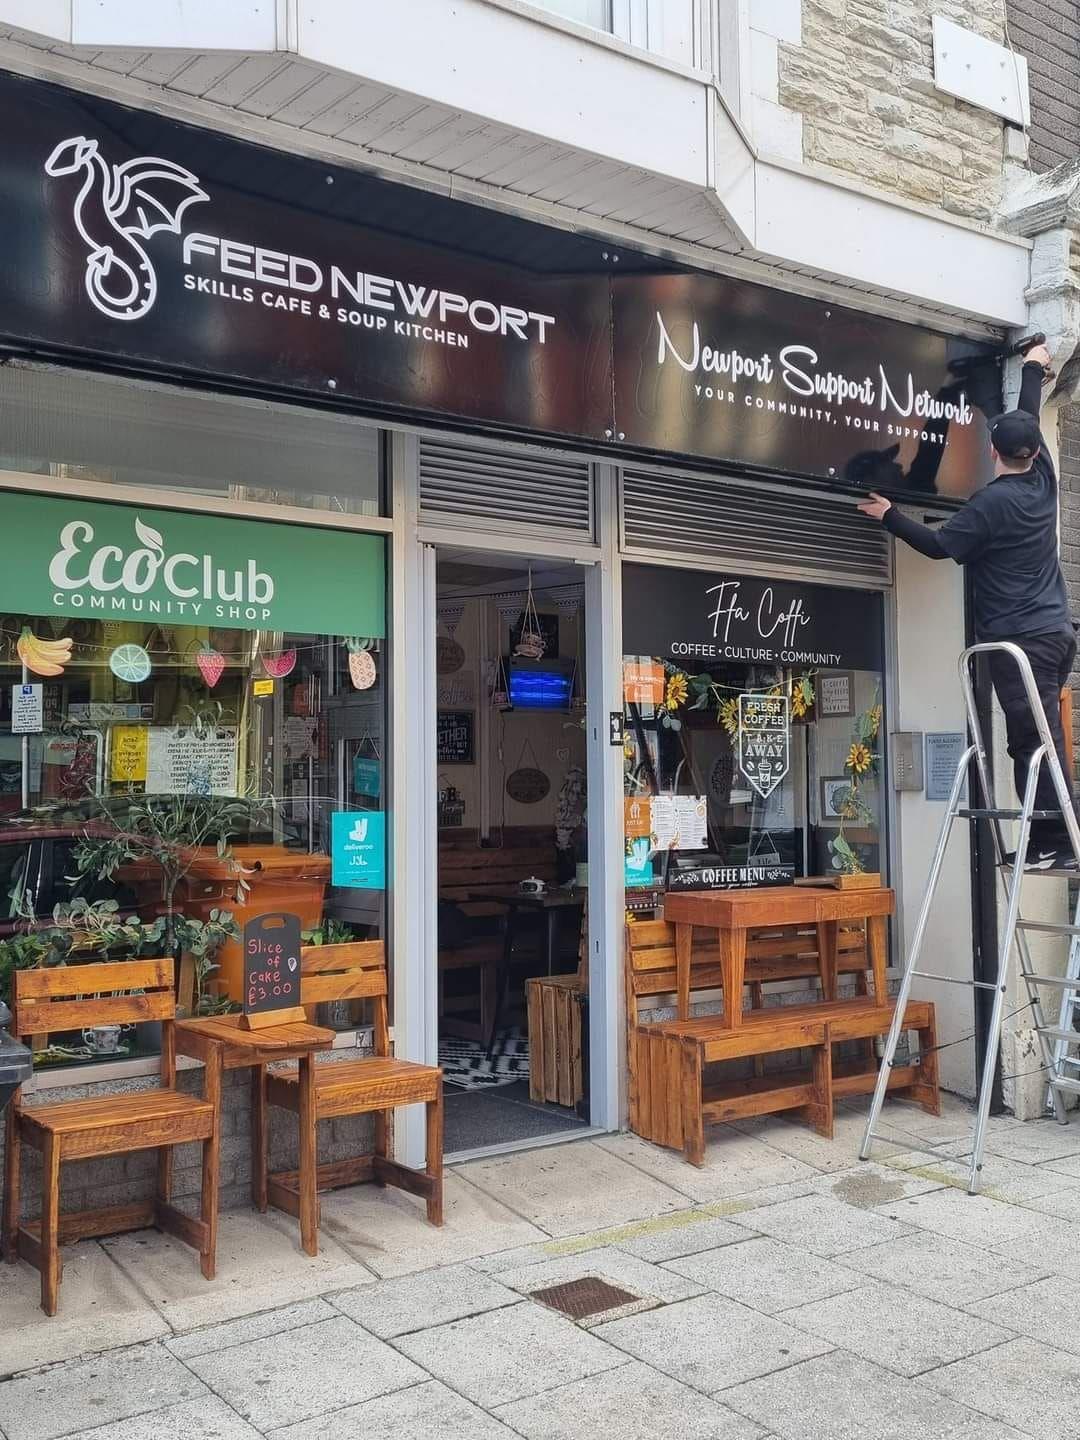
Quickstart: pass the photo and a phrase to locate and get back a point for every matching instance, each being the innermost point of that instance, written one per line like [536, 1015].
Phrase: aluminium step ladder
[1059, 1043]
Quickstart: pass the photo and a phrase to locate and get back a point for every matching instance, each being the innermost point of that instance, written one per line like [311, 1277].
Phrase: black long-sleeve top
[1007, 534]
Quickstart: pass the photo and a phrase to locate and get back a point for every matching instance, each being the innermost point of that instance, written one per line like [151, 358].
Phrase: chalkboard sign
[272, 969]
[455, 737]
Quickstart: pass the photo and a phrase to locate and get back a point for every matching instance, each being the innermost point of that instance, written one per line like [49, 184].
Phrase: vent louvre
[508, 488]
[753, 525]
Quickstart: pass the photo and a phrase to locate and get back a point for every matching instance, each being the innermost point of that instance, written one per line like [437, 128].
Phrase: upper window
[665, 27]
[73, 425]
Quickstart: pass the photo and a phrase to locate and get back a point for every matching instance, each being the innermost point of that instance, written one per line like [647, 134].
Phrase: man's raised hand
[875, 506]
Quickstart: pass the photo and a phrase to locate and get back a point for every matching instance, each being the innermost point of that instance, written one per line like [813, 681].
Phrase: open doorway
[511, 772]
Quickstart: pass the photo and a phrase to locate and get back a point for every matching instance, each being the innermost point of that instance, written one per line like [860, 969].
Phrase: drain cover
[581, 1298]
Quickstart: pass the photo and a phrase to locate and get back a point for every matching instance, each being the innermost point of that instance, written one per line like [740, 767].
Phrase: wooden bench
[374, 1085]
[75, 997]
[672, 1098]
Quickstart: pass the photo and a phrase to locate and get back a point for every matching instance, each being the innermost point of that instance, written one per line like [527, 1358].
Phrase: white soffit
[990, 76]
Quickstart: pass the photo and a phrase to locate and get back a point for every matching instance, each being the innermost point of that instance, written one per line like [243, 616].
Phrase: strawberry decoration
[279, 665]
[211, 664]
[361, 664]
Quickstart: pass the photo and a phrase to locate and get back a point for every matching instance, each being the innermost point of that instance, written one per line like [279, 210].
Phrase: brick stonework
[863, 81]
[1048, 33]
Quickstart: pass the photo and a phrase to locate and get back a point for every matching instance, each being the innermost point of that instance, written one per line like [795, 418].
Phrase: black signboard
[155, 245]
[455, 742]
[706, 365]
[271, 963]
[729, 877]
[698, 619]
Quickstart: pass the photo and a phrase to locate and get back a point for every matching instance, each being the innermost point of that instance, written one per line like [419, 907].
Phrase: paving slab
[423, 1412]
[509, 1354]
[212, 1338]
[941, 1269]
[1008, 1180]
[641, 1277]
[711, 1342]
[100, 1309]
[417, 1302]
[634, 1402]
[572, 1189]
[260, 1266]
[841, 1397]
[973, 1219]
[735, 1164]
[840, 1152]
[903, 1332]
[871, 1183]
[82, 1394]
[821, 1224]
[699, 1232]
[299, 1374]
[388, 1232]
[1032, 1386]
[205, 1419]
[1035, 1141]
[1063, 1203]
[766, 1275]
[1048, 1311]
[1068, 1165]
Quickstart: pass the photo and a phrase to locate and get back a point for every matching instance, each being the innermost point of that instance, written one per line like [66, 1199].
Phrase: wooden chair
[672, 1098]
[373, 1085]
[75, 997]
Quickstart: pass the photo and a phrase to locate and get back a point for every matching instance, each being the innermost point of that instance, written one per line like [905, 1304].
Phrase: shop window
[754, 725]
[76, 426]
[168, 771]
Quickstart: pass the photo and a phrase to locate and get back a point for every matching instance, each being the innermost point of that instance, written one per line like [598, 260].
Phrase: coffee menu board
[271, 963]
[455, 737]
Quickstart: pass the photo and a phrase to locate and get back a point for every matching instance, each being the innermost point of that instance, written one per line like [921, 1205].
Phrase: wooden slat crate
[555, 1064]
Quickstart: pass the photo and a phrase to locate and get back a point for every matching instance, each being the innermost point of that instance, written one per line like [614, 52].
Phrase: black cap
[1015, 435]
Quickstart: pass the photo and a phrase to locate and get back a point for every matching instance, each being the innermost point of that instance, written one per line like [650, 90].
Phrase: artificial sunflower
[875, 721]
[677, 691]
[859, 759]
[729, 715]
[798, 703]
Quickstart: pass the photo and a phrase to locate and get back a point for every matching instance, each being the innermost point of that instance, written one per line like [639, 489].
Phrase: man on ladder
[1007, 534]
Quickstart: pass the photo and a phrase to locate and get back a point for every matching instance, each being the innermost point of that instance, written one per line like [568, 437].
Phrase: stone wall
[862, 79]
[121, 1180]
[1047, 32]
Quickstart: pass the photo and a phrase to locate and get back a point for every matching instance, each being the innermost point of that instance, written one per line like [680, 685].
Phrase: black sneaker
[1045, 858]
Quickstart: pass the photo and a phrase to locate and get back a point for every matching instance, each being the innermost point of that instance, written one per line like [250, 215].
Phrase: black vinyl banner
[697, 619]
[155, 245]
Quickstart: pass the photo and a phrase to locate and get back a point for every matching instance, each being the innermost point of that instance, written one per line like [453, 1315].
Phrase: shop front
[379, 558]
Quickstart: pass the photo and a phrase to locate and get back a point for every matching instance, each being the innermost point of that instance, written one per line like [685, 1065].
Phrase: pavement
[785, 1290]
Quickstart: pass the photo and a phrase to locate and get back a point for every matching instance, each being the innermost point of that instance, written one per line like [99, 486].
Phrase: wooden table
[551, 904]
[733, 912]
[221, 1043]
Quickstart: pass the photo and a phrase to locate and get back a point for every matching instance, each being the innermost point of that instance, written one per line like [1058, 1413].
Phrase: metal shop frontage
[446, 581]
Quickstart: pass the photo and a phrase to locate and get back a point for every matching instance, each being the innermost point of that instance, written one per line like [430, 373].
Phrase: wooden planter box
[556, 1071]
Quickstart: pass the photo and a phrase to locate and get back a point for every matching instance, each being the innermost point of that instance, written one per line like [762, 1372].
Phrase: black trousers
[1051, 658]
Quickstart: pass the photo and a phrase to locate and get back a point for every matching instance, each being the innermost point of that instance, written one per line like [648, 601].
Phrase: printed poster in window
[764, 741]
[643, 682]
[185, 761]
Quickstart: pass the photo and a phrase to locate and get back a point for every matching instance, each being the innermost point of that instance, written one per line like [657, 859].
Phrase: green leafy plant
[852, 809]
[329, 932]
[202, 940]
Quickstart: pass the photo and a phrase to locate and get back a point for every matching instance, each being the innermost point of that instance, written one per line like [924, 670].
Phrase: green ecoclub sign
[114, 562]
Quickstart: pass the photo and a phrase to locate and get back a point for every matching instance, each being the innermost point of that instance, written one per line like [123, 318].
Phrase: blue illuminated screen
[540, 689]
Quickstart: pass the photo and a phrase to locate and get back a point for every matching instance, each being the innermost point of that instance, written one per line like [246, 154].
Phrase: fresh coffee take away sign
[119, 562]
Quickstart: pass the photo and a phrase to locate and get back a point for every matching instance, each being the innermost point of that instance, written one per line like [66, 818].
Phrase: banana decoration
[43, 657]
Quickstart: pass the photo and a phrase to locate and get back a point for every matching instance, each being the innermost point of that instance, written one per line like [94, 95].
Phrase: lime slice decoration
[130, 663]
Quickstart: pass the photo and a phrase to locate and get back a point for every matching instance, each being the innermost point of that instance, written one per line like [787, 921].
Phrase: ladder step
[972, 813]
[1071, 1037]
[1059, 982]
[1046, 928]
[955, 980]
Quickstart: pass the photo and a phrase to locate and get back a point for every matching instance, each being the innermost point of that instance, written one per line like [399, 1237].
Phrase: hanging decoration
[530, 645]
[500, 689]
[528, 784]
[279, 664]
[362, 670]
[43, 657]
[211, 664]
[130, 663]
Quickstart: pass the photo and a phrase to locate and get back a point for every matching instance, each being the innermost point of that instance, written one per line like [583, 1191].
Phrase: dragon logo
[117, 207]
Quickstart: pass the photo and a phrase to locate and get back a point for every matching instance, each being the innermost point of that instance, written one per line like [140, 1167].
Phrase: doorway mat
[468, 1065]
